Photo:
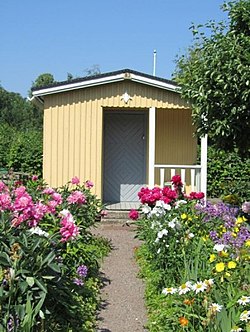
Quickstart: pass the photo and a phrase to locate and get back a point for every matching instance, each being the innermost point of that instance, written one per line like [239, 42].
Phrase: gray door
[124, 156]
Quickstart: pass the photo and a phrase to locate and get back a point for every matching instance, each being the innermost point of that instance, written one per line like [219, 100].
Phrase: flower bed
[48, 257]
[195, 261]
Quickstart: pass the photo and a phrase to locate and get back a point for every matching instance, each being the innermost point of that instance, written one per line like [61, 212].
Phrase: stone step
[116, 215]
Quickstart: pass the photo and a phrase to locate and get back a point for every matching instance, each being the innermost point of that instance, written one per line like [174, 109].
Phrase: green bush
[21, 150]
[228, 174]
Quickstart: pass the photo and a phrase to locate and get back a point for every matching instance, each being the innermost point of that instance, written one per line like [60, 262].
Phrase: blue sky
[68, 36]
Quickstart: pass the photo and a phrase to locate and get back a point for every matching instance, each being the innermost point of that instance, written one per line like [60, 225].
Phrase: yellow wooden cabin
[122, 130]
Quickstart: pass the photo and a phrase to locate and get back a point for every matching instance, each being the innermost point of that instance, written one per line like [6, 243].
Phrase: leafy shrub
[228, 174]
[21, 150]
[48, 257]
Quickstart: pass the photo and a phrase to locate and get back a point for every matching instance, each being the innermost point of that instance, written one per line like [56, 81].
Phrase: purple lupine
[78, 282]
[82, 271]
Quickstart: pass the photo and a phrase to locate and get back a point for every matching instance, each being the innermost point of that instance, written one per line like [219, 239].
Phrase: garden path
[123, 307]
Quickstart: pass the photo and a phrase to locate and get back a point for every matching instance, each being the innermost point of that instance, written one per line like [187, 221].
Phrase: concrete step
[116, 214]
[117, 217]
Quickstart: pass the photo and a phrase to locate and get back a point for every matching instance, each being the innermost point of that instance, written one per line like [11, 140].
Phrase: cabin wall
[73, 129]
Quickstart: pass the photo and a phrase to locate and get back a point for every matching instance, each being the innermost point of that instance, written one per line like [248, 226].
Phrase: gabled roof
[111, 77]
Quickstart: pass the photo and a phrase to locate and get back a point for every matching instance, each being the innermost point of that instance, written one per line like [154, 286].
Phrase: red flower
[176, 179]
[195, 195]
[133, 214]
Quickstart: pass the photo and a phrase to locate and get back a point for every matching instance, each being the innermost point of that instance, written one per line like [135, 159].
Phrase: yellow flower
[231, 265]
[212, 258]
[236, 229]
[184, 216]
[240, 220]
[219, 267]
[205, 238]
[224, 253]
[247, 243]
[227, 275]
[233, 234]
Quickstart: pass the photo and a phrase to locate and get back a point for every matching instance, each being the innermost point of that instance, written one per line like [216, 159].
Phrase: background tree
[43, 80]
[214, 76]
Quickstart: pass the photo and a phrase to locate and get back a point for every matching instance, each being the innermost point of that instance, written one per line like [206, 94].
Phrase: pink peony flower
[57, 197]
[5, 202]
[3, 187]
[48, 191]
[69, 229]
[77, 197]
[89, 184]
[75, 180]
[133, 214]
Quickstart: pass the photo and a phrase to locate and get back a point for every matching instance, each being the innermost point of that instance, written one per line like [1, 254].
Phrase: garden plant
[195, 261]
[49, 259]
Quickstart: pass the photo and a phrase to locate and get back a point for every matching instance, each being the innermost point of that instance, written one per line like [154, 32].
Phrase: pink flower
[104, 213]
[57, 197]
[89, 184]
[2, 186]
[76, 197]
[69, 230]
[133, 214]
[75, 180]
[34, 178]
[5, 202]
[48, 191]
[52, 206]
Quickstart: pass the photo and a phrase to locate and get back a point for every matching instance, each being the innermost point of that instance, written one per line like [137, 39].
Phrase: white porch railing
[193, 172]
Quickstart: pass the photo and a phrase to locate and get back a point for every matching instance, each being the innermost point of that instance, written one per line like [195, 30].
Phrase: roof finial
[154, 65]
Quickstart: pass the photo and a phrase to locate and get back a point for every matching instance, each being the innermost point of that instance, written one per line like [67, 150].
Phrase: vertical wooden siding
[73, 129]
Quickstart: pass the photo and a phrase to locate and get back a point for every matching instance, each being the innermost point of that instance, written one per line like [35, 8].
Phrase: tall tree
[214, 76]
[43, 80]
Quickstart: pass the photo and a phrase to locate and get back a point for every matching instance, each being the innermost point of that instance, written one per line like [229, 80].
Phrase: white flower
[209, 282]
[215, 307]
[37, 230]
[166, 206]
[169, 290]
[172, 223]
[146, 209]
[184, 288]
[245, 316]
[244, 300]
[64, 212]
[236, 329]
[199, 287]
[162, 233]
[190, 235]
[159, 250]
[157, 211]
[180, 202]
[219, 247]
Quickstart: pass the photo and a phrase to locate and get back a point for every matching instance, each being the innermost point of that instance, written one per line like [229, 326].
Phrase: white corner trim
[151, 148]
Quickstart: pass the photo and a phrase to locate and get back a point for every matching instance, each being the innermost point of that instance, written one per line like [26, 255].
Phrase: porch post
[151, 148]
[204, 165]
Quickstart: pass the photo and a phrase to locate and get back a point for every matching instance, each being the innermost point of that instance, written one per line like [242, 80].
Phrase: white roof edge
[104, 80]
[154, 82]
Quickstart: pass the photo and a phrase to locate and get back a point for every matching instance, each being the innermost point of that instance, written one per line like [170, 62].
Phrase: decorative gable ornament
[126, 97]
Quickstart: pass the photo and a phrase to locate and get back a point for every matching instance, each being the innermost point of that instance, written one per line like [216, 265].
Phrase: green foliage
[38, 269]
[228, 174]
[17, 112]
[43, 80]
[214, 77]
[21, 150]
